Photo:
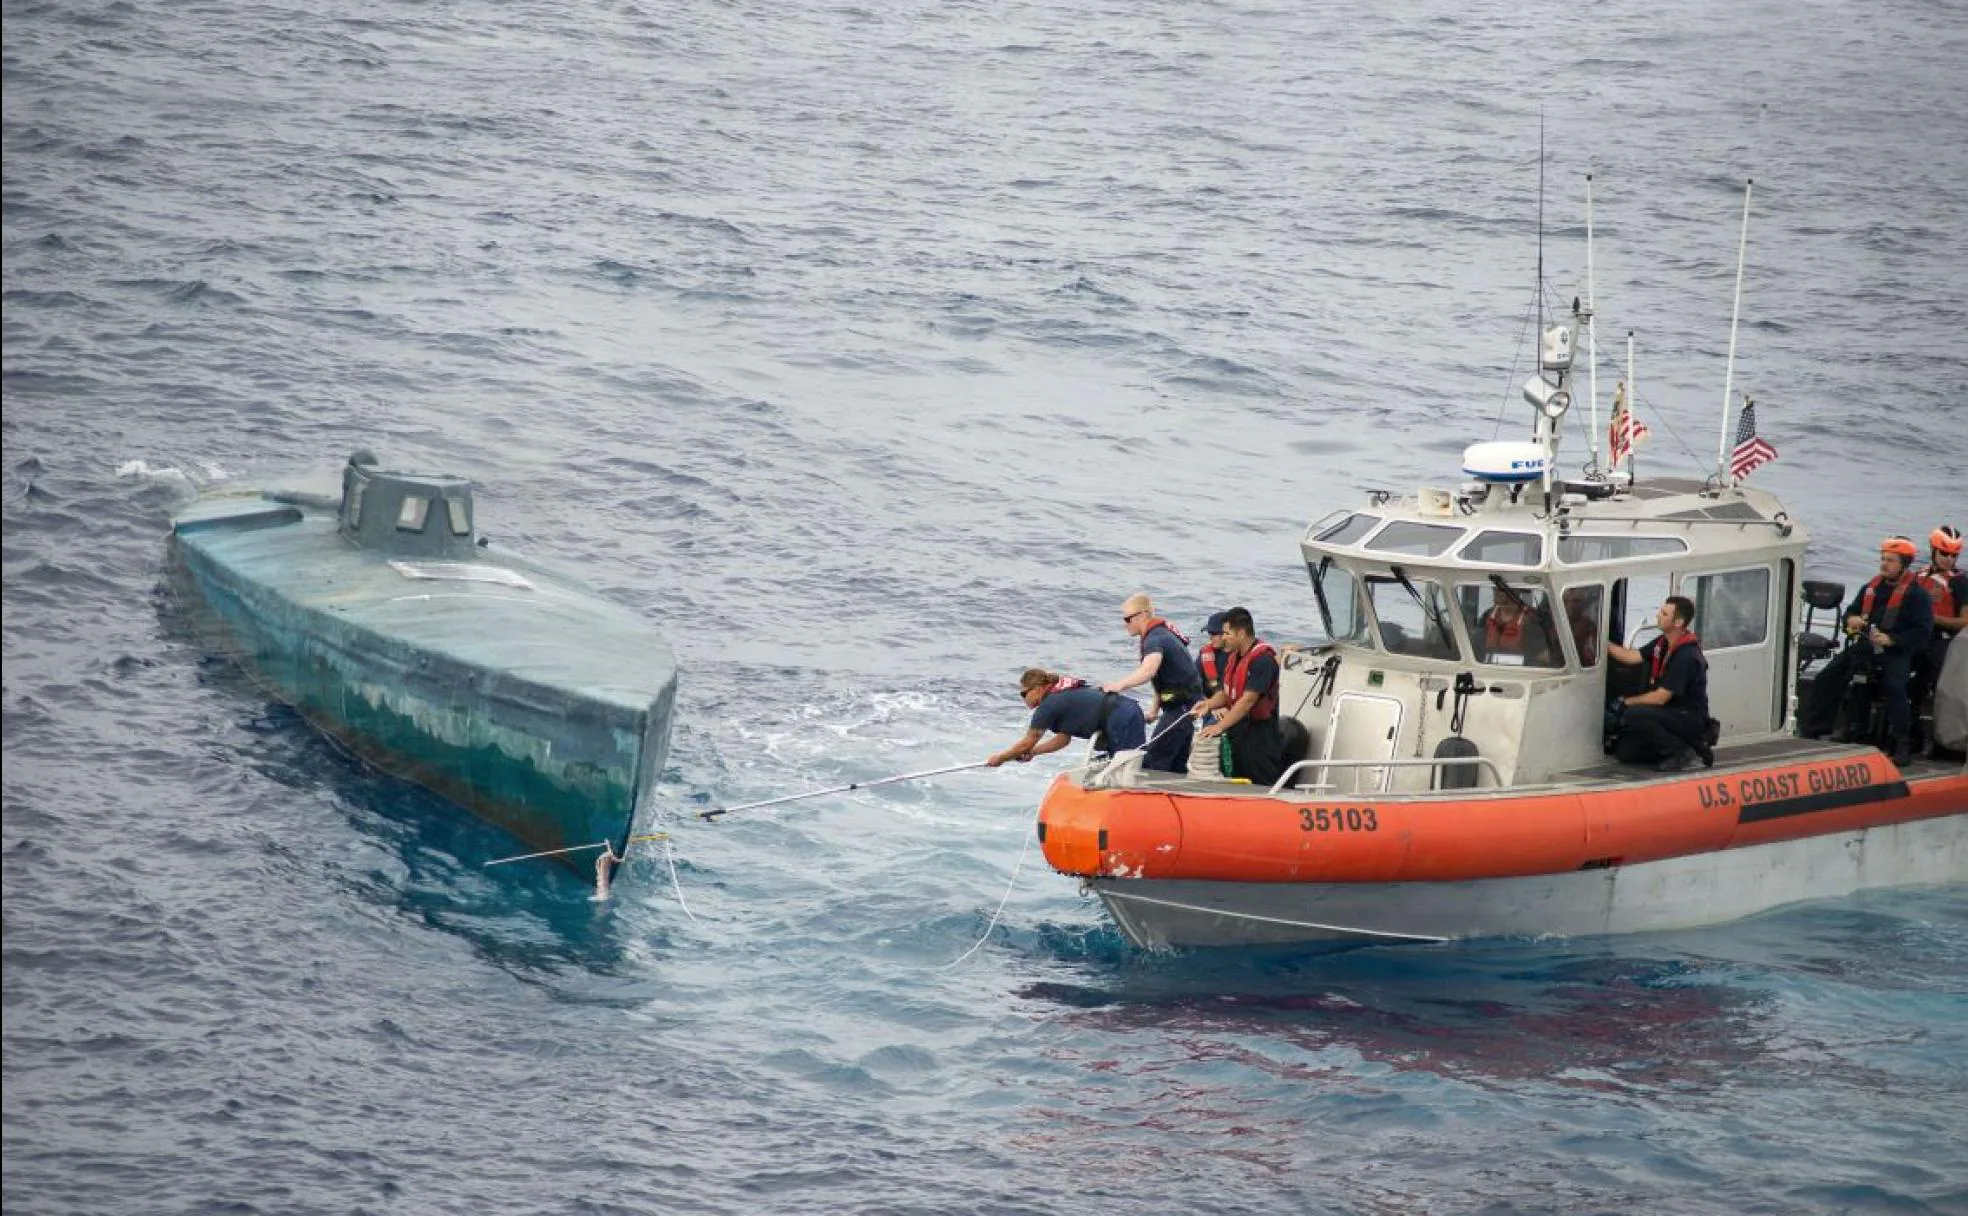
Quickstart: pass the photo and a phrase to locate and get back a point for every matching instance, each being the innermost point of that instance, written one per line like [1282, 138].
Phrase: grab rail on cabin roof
[1496, 774]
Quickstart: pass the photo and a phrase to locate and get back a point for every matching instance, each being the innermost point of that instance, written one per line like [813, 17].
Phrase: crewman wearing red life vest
[1947, 587]
[1667, 725]
[1249, 699]
[1213, 657]
[1166, 665]
[1888, 624]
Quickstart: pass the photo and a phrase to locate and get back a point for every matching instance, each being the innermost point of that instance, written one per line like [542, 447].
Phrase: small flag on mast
[1626, 430]
[1752, 452]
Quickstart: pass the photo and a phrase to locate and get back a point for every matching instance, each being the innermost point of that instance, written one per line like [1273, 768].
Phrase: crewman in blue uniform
[1072, 709]
[1667, 725]
[1885, 627]
[1167, 666]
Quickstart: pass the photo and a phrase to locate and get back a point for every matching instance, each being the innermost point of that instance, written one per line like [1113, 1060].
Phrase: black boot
[1858, 720]
[1897, 750]
[1681, 760]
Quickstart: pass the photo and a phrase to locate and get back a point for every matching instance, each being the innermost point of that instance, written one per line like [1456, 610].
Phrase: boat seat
[1822, 595]
[1814, 646]
[1298, 740]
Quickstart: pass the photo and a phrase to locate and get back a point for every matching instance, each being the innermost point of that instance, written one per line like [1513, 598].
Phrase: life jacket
[1866, 601]
[1506, 636]
[1939, 588]
[1167, 691]
[1663, 653]
[1155, 623]
[1212, 662]
[1239, 672]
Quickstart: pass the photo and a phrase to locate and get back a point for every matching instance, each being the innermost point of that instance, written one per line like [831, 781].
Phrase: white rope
[997, 911]
[669, 859]
[573, 848]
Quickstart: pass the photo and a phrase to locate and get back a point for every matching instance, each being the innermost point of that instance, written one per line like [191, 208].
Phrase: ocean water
[877, 352]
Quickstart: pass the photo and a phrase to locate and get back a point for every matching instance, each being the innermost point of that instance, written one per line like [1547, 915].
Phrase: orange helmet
[1900, 545]
[1946, 539]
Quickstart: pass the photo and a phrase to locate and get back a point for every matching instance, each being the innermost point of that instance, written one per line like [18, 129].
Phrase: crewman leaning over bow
[1070, 709]
[1885, 627]
[1947, 587]
[1165, 663]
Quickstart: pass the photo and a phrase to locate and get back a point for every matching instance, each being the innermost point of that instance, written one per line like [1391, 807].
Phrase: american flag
[1751, 453]
[1626, 430]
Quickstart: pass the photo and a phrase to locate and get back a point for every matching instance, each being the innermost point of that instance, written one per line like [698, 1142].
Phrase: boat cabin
[1468, 625]
[405, 514]
[1482, 613]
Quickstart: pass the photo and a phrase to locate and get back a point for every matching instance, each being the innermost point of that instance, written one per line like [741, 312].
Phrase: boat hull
[554, 767]
[1192, 866]
[1677, 893]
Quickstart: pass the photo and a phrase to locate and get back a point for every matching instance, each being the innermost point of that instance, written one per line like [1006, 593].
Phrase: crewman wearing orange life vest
[1947, 587]
[1249, 699]
[1888, 624]
[1667, 725]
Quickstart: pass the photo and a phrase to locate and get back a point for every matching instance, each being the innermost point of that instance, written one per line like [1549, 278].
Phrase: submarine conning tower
[405, 514]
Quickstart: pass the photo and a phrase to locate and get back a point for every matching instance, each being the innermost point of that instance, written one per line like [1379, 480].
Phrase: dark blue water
[878, 352]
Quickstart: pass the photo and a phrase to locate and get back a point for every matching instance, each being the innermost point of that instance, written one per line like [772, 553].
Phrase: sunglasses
[1129, 618]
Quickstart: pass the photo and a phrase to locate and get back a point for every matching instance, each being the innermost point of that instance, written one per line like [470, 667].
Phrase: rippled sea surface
[877, 352]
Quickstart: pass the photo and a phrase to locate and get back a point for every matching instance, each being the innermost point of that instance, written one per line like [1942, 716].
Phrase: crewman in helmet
[1947, 587]
[1885, 627]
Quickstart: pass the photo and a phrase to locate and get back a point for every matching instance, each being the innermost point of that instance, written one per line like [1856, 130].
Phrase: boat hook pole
[842, 789]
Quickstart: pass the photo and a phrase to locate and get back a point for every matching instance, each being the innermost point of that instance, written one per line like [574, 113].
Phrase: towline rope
[1002, 900]
[576, 848]
[842, 789]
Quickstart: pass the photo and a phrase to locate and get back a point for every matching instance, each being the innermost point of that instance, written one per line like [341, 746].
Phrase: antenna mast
[1591, 335]
[1538, 288]
[1729, 376]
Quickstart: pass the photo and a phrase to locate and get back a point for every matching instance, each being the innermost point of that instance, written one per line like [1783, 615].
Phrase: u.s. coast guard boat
[527, 699]
[1457, 788]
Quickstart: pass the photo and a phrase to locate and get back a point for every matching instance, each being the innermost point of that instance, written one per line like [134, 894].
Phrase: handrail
[1496, 774]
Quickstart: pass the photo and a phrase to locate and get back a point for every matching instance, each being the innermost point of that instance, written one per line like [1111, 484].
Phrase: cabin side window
[411, 516]
[1347, 530]
[1419, 540]
[460, 517]
[1731, 608]
[1578, 550]
[1413, 615]
[1494, 548]
[1584, 616]
[1510, 625]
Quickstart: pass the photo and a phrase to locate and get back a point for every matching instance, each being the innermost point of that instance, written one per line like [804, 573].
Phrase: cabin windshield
[1510, 624]
[1412, 615]
[1338, 594]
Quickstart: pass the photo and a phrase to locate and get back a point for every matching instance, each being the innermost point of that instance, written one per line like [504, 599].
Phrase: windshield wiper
[1319, 594]
[1434, 615]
